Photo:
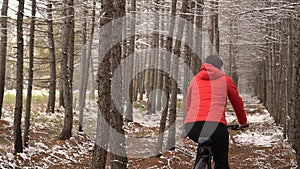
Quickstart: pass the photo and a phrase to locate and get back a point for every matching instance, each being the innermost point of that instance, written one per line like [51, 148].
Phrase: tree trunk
[131, 49]
[196, 61]
[3, 51]
[174, 83]
[90, 57]
[67, 68]
[30, 74]
[51, 48]
[118, 154]
[167, 79]
[296, 56]
[158, 58]
[19, 95]
[104, 90]
[216, 26]
[84, 71]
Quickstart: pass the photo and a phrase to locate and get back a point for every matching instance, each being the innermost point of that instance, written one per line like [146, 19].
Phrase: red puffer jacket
[207, 95]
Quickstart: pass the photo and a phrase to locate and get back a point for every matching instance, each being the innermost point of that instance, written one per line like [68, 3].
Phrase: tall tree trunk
[30, 74]
[296, 56]
[174, 83]
[188, 58]
[90, 57]
[104, 89]
[216, 26]
[131, 49]
[159, 57]
[51, 48]
[3, 51]
[167, 80]
[117, 141]
[84, 71]
[67, 68]
[19, 95]
[196, 62]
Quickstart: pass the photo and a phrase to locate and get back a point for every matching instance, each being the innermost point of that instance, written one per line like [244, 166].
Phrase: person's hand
[244, 126]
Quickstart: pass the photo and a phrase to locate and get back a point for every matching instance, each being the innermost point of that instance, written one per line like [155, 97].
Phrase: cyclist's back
[205, 108]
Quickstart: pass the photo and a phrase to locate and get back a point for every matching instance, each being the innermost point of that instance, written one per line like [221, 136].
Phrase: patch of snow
[264, 139]
[151, 120]
[10, 156]
[260, 118]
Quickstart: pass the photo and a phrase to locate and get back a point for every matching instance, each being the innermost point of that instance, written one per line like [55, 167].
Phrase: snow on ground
[263, 142]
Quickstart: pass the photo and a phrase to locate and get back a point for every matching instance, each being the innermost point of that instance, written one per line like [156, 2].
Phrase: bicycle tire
[202, 164]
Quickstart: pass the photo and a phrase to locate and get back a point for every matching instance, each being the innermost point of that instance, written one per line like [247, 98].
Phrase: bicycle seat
[204, 141]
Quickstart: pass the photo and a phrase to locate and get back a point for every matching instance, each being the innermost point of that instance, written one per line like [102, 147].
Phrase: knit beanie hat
[214, 60]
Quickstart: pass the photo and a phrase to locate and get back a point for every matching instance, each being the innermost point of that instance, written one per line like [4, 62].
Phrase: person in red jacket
[206, 102]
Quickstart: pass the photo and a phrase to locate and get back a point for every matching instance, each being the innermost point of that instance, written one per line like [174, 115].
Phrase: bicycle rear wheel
[204, 163]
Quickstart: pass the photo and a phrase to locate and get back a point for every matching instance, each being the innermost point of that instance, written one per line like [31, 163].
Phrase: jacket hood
[209, 72]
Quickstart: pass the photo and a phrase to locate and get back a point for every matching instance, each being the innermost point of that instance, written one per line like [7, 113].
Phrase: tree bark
[296, 56]
[196, 61]
[104, 90]
[51, 48]
[3, 51]
[30, 74]
[84, 71]
[167, 79]
[19, 95]
[131, 49]
[67, 68]
[117, 141]
[90, 58]
[174, 83]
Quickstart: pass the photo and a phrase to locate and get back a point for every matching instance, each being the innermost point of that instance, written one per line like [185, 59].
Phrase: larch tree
[83, 69]
[174, 83]
[3, 51]
[89, 52]
[86, 61]
[167, 81]
[30, 73]
[104, 90]
[18, 146]
[67, 57]
[117, 141]
[131, 49]
[51, 48]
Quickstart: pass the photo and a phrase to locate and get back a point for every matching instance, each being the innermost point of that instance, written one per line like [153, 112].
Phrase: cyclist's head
[214, 60]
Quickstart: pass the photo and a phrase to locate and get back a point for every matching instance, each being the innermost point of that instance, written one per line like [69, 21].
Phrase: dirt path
[260, 146]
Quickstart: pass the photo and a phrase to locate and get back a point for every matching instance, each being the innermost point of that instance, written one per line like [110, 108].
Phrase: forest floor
[260, 146]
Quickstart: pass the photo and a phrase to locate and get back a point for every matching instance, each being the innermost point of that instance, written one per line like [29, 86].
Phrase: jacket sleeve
[236, 101]
[188, 98]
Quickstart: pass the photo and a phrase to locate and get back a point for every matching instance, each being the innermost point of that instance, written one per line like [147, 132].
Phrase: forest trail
[260, 146]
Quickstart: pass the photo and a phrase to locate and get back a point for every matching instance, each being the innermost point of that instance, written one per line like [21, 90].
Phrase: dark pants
[218, 133]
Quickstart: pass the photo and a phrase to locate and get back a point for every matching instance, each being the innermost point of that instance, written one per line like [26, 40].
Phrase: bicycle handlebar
[237, 127]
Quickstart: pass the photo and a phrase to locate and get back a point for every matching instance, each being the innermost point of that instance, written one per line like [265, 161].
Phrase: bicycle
[205, 161]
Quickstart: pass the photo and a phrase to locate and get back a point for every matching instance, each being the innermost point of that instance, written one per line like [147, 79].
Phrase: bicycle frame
[205, 161]
[205, 153]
